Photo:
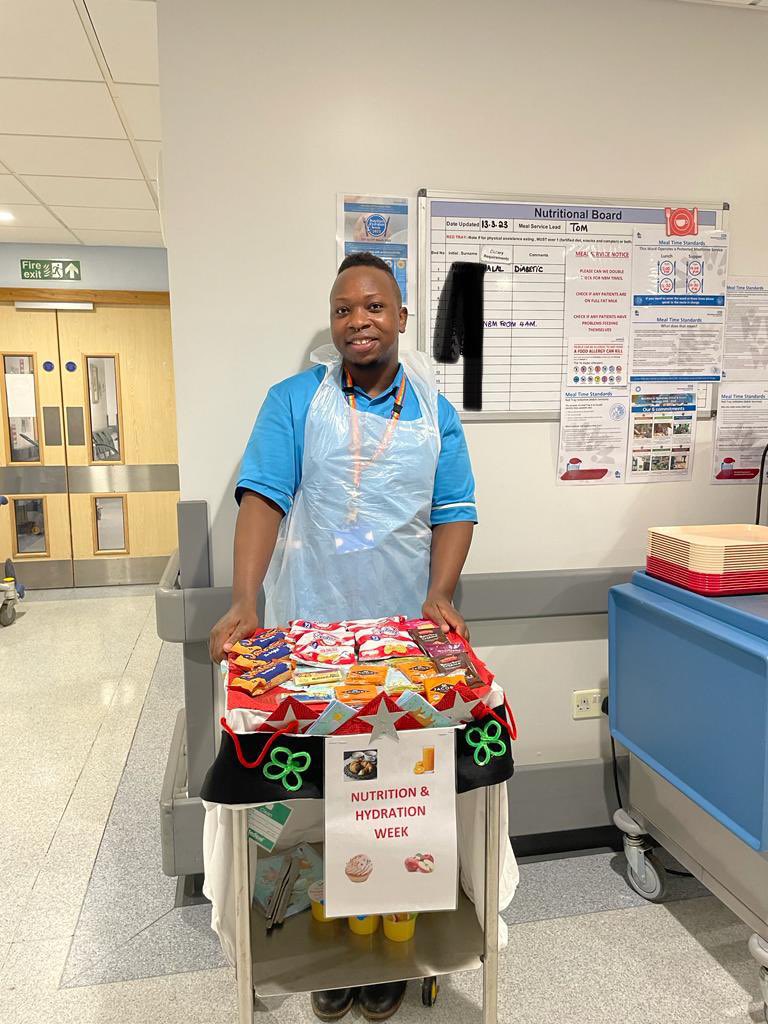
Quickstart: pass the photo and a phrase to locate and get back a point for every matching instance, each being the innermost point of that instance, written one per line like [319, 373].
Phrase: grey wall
[112, 267]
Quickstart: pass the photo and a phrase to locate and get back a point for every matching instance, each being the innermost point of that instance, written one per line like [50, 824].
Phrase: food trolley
[689, 700]
[304, 955]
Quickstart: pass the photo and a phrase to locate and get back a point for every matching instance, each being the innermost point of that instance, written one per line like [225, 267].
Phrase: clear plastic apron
[342, 555]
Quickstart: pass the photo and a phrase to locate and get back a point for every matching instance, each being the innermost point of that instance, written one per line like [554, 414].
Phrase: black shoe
[379, 1002]
[333, 1003]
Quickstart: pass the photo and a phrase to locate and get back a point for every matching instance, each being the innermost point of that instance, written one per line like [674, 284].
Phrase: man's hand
[239, 622]
[439, 608]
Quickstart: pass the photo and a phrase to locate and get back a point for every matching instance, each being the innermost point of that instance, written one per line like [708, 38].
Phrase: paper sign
[662, 432]
[742, 433]
[390, 823]
[20, 394]
[746, 330]
[593, 436]
[265, 823]
[376, 224]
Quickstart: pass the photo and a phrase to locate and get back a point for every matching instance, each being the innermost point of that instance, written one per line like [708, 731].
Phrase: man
[356, 499]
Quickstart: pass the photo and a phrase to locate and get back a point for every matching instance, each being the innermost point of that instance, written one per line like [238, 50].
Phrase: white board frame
[720, 209]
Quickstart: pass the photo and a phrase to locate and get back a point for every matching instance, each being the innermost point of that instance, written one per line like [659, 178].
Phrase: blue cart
[688, 699]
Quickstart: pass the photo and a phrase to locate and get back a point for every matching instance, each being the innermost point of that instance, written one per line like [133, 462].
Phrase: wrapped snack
[386, 642]
[375, 674]
[415, 669]
[334, 716]
[397, 684]
[438, 686]
[333, 648]
[356, 694]
[366, 625]
[427, 634]
[451, 664]
[298, 627]
[425, 714]
[258, 682]
[315, 694]
[256, 658]
[259, 641]
[319, 677]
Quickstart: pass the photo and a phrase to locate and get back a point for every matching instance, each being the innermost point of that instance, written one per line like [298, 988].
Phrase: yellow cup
[364, 925]
[316, 894]
[428, 759]
[399, 930]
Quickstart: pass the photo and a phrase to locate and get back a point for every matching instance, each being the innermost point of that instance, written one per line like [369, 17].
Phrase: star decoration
[292, 711]
[382, 720]
[460, 710]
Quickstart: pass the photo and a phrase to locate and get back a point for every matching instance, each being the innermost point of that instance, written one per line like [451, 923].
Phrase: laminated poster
[376, 224]
[741, 435]
[662, 432]
[390, 823]
[746, 330]
[593, 436]
[678, 305]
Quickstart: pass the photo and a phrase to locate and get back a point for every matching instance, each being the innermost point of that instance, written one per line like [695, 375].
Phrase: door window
[21, 407]
[104, 405]
[29, 523]
[109, 517]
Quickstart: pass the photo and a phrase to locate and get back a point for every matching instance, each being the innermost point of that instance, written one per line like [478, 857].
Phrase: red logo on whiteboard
[682, 221]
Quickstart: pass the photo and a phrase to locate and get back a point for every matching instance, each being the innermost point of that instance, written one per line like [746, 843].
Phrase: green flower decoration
[288, 768]
[486, 742]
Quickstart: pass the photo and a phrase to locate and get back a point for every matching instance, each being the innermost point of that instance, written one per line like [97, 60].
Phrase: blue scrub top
[274, 454]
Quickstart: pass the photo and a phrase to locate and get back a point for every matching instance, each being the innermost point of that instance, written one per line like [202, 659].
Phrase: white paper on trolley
[678, 305]
[390, 823]
[593, 436]
[746, 330]
[662, 432]
[742, 433]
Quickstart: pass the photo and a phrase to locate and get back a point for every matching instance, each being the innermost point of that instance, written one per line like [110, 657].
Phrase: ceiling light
[5, 216]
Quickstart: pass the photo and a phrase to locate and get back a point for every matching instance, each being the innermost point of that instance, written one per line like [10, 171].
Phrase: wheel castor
[653, 886]
[8, 614]
[429, 991]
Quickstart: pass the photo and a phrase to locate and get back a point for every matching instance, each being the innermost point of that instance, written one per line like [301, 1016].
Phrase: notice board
[541, 297]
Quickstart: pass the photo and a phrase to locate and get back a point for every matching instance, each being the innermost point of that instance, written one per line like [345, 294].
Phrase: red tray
[710, 584]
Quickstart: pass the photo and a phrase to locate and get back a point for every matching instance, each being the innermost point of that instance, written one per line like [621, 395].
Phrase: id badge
[355, 537]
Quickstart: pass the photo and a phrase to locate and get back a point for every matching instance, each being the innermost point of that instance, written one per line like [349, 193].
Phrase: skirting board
[562, 797]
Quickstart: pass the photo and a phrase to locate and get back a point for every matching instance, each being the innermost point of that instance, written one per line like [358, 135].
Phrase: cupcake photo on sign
[359, 868]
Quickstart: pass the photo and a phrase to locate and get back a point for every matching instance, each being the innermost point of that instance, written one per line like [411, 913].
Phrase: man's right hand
[239, 622]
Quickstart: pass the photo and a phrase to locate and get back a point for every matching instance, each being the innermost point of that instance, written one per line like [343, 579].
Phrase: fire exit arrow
[72, 271]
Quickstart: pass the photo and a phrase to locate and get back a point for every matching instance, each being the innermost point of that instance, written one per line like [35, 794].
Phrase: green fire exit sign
[50, 270]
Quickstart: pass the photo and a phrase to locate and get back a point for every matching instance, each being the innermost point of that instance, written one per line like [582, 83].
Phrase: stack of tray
[731, 559]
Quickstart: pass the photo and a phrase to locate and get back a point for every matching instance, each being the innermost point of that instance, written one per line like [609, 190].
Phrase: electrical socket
[587, 703]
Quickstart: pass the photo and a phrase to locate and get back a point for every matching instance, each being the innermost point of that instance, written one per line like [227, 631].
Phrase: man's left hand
[439, 608]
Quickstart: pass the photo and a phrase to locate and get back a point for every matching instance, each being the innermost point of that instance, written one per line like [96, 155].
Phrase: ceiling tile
[45, 39]
[30, 215]
[77, 217]
[12, 191]
[58, 108]
[141, 104]
[134, 238]
[113, 193]
[127, 31]
[150, 152]
[88, 158]
[54, 234]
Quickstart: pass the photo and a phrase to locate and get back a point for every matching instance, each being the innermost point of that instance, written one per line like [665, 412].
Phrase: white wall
[105, 267]
[270, 109]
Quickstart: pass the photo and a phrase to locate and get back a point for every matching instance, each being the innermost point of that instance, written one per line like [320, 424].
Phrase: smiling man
[356, 499]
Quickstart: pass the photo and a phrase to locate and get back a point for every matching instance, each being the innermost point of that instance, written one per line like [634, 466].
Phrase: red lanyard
[357, 460]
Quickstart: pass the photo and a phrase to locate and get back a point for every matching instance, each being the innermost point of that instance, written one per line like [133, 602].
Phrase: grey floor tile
[583, 885]
[87, 593]
[128, 892]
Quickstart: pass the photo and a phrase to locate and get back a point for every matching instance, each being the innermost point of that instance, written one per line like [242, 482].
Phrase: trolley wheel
[8, 614]
[429, 991]
[652, 889]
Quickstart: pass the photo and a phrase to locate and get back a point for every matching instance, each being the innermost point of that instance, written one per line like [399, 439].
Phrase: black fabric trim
[228, 782]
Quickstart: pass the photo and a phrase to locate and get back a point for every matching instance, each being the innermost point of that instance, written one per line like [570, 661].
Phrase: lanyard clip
[397, 408]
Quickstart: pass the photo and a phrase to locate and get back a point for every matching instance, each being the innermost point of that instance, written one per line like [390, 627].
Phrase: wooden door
[34, 508]
[121, 446]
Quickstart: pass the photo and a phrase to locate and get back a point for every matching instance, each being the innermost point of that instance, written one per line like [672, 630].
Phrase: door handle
[75, 426]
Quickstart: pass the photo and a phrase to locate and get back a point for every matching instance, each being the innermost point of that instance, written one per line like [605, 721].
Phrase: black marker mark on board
[459, 327]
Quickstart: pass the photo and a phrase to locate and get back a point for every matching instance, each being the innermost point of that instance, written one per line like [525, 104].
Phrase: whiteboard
[525, 314]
